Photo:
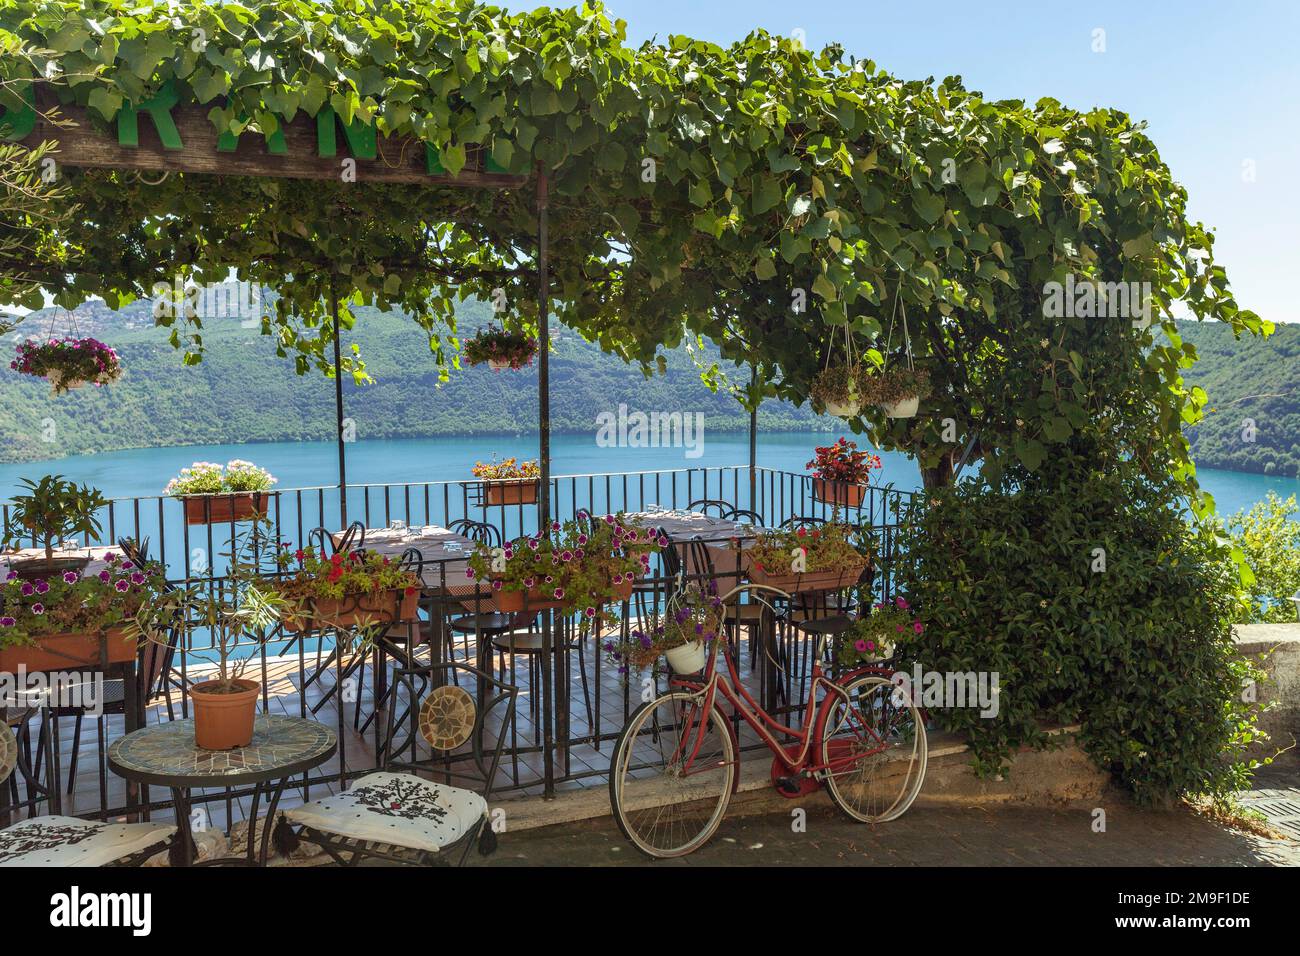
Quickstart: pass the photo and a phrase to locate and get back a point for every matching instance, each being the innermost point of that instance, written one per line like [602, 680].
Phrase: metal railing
[191, 555]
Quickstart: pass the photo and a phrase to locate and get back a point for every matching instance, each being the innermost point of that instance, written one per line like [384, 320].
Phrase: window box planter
[225, 508]
[517, 491]
[846, 494]
[380, 607]
[537, 599]
[34, 569]
[809, 581]
[57, 652]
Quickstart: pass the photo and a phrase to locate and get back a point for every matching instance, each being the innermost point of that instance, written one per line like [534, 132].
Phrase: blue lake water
[144, 472]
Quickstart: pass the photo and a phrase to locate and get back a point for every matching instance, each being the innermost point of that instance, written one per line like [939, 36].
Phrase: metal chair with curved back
[480, 532]
[400, 638]
[745, 515]
[395, 814]
[804, 521]
[153, 678]
[704, 504]
[353, 538]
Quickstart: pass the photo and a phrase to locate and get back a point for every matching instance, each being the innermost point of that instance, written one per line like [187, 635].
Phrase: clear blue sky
[1218, 82]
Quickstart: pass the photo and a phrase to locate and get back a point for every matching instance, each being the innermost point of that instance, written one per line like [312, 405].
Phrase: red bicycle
[677, 762]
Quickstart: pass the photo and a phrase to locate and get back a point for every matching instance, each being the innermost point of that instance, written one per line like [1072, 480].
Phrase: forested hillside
[1252, 422]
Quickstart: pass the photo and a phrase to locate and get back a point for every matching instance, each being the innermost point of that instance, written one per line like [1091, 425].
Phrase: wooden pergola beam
[81, 143]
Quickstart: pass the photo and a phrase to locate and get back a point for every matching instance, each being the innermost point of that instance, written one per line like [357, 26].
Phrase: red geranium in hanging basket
[69, 363]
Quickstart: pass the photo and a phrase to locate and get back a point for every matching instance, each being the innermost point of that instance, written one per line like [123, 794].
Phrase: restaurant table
[132, 704]
[165, 755]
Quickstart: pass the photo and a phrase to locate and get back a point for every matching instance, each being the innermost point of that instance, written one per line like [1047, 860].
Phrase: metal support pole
[753, 442]
[549, 702]
[338, 410]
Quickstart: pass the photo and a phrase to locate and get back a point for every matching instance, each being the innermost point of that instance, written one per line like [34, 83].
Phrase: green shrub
[1269, 536]
[1132, 641]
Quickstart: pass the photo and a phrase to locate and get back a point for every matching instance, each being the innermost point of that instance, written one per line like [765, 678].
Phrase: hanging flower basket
[500, 349]
[898, 391]
[68, 363]
[837, 389]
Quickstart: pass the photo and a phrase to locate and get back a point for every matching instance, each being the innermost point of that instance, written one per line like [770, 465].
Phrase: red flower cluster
[843, 462]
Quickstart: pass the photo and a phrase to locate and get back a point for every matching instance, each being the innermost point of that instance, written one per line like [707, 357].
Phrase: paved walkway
[931, 837]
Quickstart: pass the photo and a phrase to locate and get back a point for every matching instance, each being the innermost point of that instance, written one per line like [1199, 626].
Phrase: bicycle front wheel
[875, 747]
[672, 774]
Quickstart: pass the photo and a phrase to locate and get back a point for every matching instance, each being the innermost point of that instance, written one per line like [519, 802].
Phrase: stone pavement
[932, 836]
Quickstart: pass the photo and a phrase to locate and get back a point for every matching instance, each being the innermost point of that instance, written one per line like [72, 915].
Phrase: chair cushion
[398, 809]
[71, 841]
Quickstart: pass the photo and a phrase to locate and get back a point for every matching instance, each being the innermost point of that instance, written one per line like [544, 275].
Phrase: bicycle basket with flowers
[684, 636]
[875, 637]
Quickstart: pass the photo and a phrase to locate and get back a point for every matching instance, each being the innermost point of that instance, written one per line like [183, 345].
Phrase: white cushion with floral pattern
[71, 841]
[397, 809]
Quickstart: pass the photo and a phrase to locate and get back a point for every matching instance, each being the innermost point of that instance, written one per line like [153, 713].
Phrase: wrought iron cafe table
[165, 755]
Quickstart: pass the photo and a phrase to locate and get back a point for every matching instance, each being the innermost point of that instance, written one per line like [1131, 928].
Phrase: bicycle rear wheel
[876, 747]
[670, 783]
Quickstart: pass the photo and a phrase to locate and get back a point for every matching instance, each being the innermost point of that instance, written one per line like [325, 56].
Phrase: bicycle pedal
[789, 785]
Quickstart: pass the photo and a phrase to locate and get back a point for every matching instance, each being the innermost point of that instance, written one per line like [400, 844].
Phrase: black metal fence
[191, 555]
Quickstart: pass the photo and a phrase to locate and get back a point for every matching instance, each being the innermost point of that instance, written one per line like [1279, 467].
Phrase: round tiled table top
[8, 752]
[166, 754]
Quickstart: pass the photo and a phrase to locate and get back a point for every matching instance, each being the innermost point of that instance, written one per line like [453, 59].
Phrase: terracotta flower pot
[846, 494]
[219, 509]
[58, 652]
[224, 721]
[514, 491]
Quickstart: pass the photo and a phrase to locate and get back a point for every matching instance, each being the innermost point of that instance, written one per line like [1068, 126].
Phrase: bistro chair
[745, 515]
[397, 815]
[153, 675]
[804, 521]
[71, 841]
[322, 540]
[702, 505]
[480, 532]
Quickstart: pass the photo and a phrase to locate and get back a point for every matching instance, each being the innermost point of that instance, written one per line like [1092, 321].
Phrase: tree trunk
[939, 476]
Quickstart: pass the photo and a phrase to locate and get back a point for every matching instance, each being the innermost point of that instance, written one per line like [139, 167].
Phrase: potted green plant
[580, 567]
[841, 473]
[803, 559]
[240, 617]
[216, 495]
[357, 589]
[684, 636]
[898, 391]
[52, 511]
[875, 636]
[68, 363]
[72, 619]
[509, 482]
[838, 389]
[500, 348]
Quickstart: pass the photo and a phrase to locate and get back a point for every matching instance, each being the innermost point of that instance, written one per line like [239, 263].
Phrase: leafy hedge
[1009, 580]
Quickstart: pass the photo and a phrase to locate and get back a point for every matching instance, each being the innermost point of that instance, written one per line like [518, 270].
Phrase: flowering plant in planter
[827, 547]
[75, 602]
[69, 363]
[208, 478]
[694, 616]
[343, 578]
[500, 348]
[509, 470]
[875, 636]
[842, 461]
[579, 566]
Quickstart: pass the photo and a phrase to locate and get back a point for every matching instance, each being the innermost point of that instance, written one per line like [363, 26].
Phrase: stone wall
[1276, 647]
